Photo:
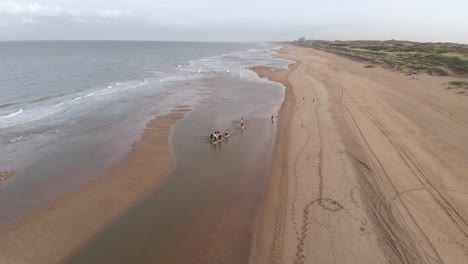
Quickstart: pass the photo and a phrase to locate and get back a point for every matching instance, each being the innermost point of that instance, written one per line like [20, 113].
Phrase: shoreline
[89, 217]
[77, 216]
[263, 222]
[355, 166]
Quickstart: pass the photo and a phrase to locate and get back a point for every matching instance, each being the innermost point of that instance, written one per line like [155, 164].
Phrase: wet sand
[51, 234]
[370, 166]
[205, 212]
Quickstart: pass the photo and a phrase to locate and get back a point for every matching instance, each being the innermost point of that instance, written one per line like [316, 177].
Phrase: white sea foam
[167, 79]
[27, 119]
[15, 139]
[106, 92]
[140, 84]
[12, 114]
[90, 94]
[57, 105]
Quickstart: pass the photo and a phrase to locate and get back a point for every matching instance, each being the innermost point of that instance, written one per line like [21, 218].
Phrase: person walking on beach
[242, 123]
[272, 117]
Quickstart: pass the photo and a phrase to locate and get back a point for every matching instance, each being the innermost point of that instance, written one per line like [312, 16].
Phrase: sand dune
[371, 166]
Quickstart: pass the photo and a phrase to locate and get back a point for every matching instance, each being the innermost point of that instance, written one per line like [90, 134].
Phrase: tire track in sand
[449, 210]
[399, 240]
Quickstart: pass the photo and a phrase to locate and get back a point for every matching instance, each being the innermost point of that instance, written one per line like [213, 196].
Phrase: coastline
[77, 216]
[197, 204]
[267, 218]
[361, 160]
[357, 166]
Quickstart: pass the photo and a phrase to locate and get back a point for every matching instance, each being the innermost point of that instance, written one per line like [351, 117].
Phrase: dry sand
[67, 223]
[371, 166]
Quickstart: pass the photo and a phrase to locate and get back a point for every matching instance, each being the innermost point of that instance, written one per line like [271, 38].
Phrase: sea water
[70, 109]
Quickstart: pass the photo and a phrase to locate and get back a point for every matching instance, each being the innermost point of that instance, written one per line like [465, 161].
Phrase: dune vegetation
[409, 57]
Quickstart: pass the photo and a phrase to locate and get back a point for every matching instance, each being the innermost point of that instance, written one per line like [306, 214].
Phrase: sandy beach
[361, 165]
[370, 166]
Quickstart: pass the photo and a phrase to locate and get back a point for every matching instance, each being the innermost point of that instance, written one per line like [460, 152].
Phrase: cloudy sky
[235, 20]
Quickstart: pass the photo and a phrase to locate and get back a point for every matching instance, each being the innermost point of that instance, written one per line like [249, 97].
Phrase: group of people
[217, 136]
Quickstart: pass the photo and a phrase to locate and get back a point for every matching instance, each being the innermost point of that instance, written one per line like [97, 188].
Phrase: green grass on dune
[458, 83]
[410, 57]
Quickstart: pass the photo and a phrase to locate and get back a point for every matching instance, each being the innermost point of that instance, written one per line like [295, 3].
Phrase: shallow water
[205, 212]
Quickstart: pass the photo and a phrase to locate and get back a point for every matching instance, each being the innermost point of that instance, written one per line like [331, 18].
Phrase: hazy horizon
[240, 21]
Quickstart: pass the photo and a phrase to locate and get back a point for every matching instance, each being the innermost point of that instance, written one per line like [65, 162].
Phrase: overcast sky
[235, 20]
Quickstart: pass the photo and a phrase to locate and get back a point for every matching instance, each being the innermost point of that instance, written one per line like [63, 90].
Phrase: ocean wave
[57, 105]
[46, 98]
[138, 85]
[17, 138]
[12, 114]
[90, 94]
[167, 79]
[25, 119]
[6, 105]
[106, 92]
[235, 63]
